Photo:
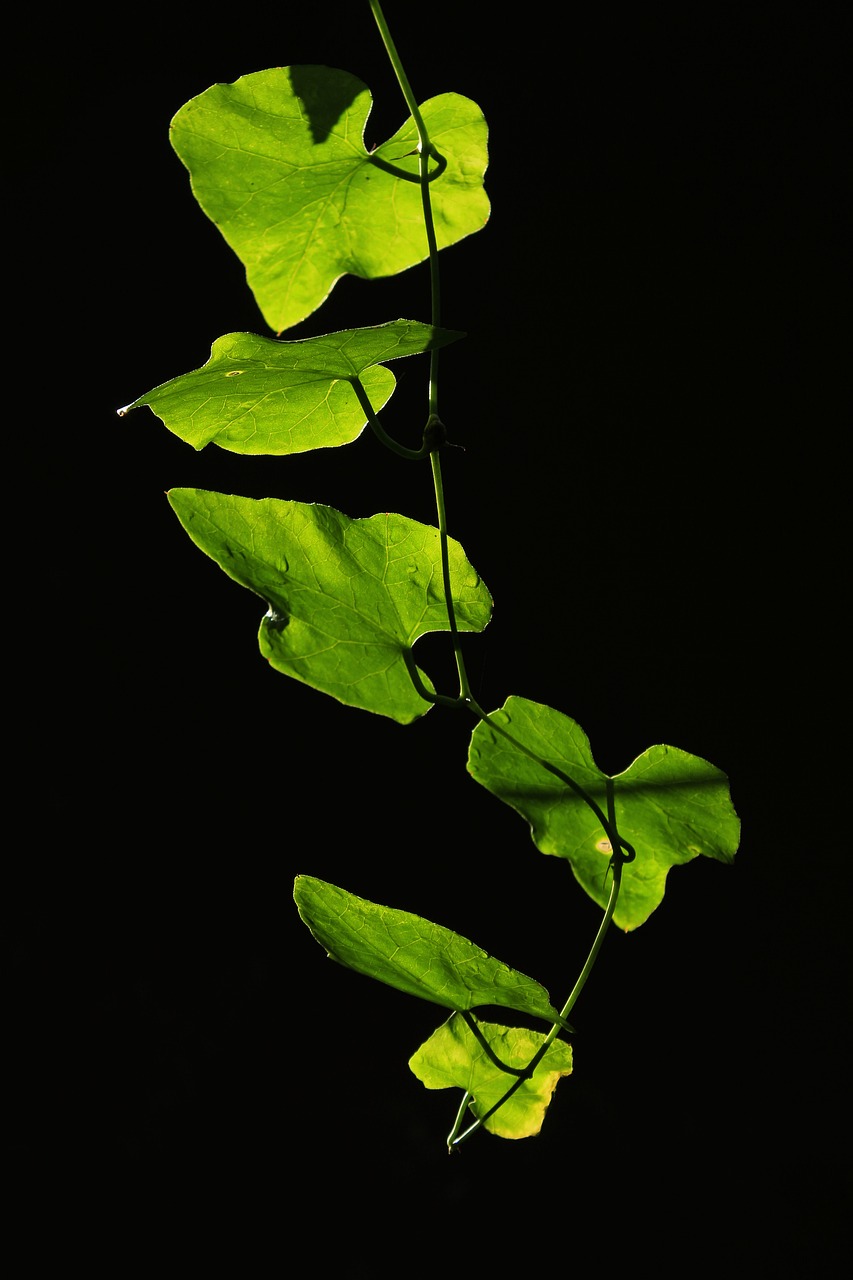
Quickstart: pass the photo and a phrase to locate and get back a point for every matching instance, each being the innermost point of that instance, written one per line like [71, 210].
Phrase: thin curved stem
[463, 1106]
[396, 172]
[439, 699]
[455, 1138]
[391, 49]
[434, 436]
[412, 455]
[464, 688]
[625, 850]
[425, 150]
[471, 1023]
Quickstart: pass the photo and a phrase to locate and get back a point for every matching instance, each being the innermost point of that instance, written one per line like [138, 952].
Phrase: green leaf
[347, 598]
[277, 161]
[412, 954]
[452, 1057]
[262, 396]
[670, 806]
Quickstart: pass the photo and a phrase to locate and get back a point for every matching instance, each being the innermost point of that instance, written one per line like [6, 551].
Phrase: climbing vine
[277, 162]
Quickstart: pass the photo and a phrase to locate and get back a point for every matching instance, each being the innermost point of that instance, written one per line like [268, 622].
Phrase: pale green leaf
[412, 954]
[347, 598]
[452, 1057]
[277, 161]
[671, 806]
[263, 396]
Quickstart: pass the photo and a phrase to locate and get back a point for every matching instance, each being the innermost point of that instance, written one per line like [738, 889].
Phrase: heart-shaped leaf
[277, 161]
[453, 1057]
[671, 806]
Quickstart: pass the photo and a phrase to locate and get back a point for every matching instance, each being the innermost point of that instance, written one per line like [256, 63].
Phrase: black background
[648, 482]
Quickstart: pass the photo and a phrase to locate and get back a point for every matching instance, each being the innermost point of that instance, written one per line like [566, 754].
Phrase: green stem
[433, 436]
[617, 861]
[440, 699]
[621, 848]
[625, 850]
[425, 150]
[463, 1106]
[471, 1023]
[464, 688]
[413, 455]
[391, 49]
[396, 172]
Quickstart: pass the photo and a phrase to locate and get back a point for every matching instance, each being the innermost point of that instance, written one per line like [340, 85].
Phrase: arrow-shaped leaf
[414, 955]
[263, 396]
[671, 806]
[347, 598]
[452, 1057]
[277, 161]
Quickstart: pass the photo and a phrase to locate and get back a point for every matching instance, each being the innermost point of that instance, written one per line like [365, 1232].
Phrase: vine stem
[425, 150]
[619, 846]
[464, 688]
[621, 851]
[616, 863]
[413, 455]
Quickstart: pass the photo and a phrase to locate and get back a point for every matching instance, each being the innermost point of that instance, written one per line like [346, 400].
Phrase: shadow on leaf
[325, 96]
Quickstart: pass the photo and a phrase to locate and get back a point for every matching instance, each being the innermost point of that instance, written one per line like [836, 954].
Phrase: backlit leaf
[452, 1057]
[347, 598]
[671, 806]
[412, 954]
[277, 161]
[263, 396]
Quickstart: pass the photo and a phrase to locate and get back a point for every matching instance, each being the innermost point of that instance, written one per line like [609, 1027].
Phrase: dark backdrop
[647, 485]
